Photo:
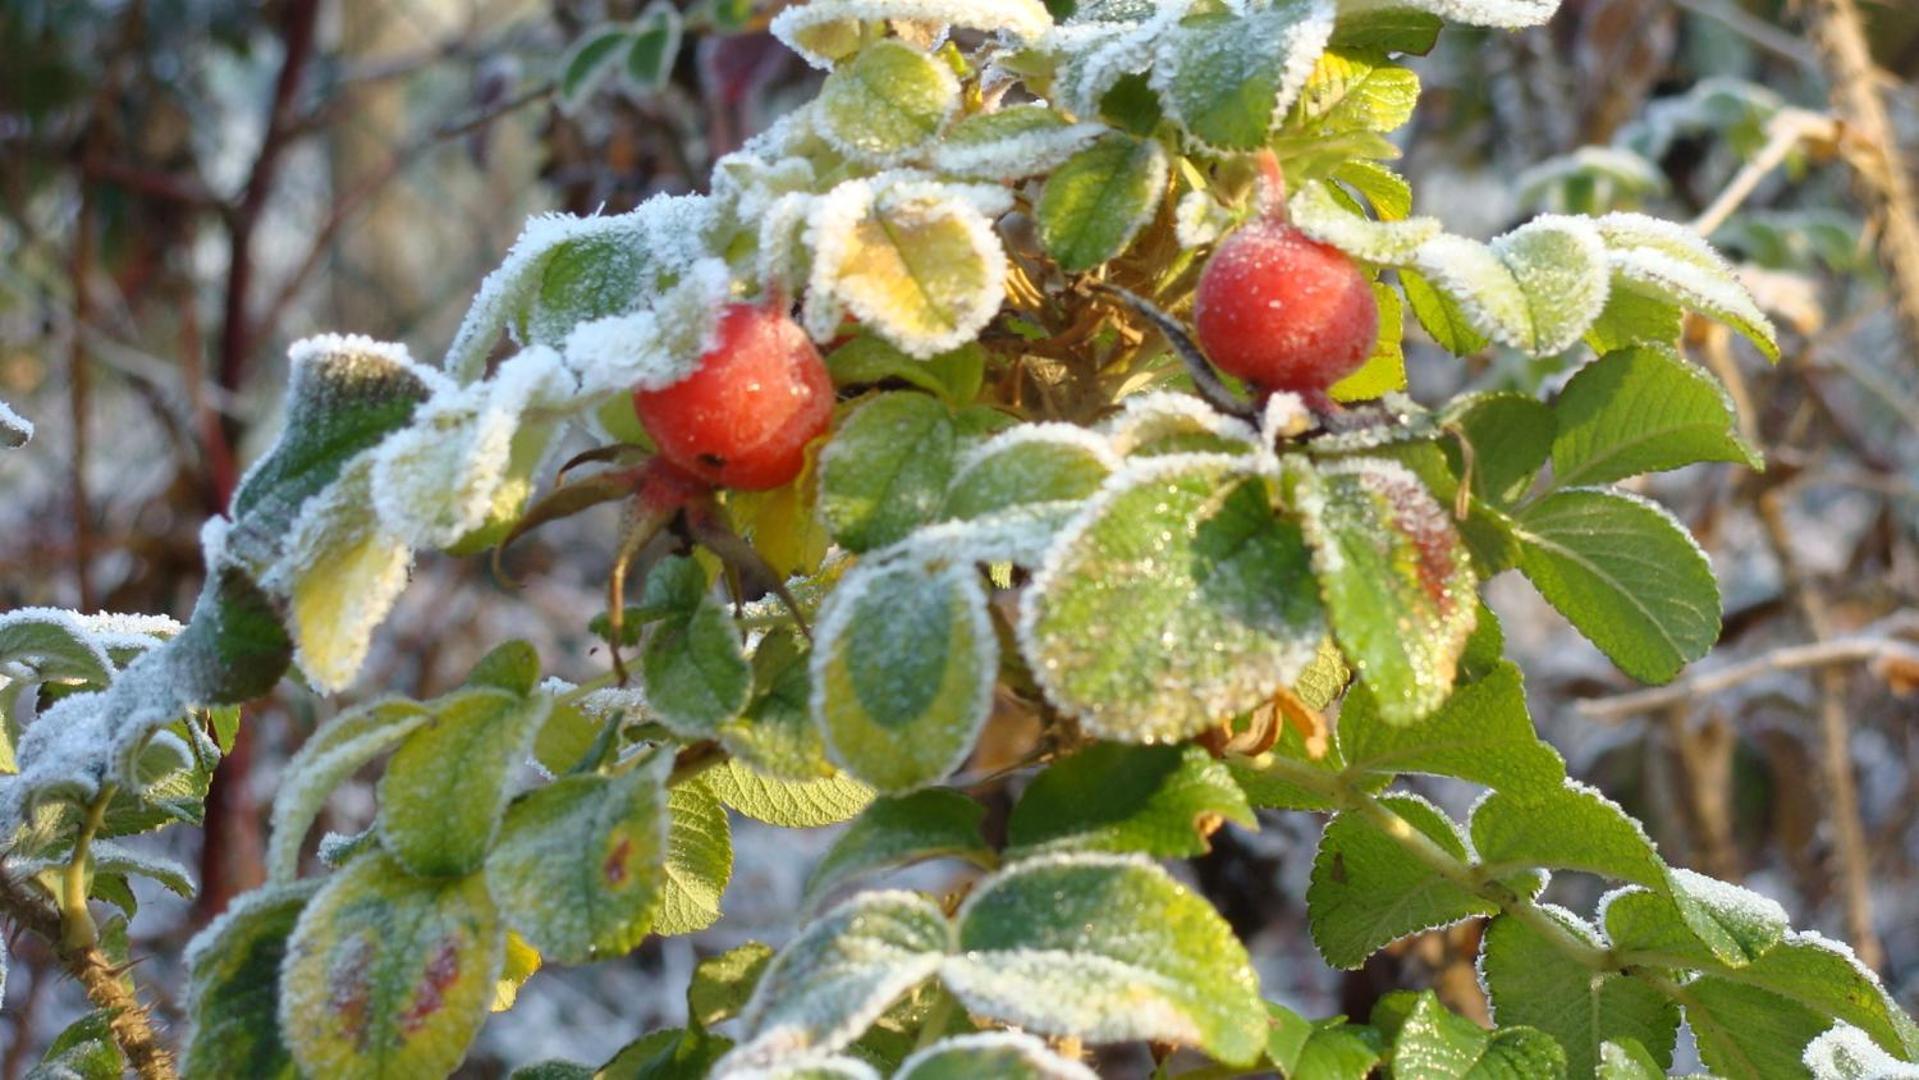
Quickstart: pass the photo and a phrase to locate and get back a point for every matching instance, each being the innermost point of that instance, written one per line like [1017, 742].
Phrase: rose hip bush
[1044, 371]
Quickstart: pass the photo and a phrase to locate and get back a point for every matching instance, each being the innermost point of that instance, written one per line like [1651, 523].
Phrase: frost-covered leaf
[1368, 891]
[1106, 948]
[233, 987]
[48, 645]
[1228, 78]
[1825, 978]
[1011, 143]
[932, 824]
[887, 102]
[1480, 288]
[1846, 1053]
[1531, 981]
[699, 860]
[886, 470]
[1510, 434]
[825, 31]
[1625, 1059]
[1388, 192]
[1560, 265]
[840, 973]
[1697, 922]
[1031, 463]
[1639, 411]
[1440, 315]
[1590, 180]
[1672, 263]
[445, 791]
[85, 1050]
[693, 668]
[334, 752]
[791, 804]
[1317, 212]
[341, 574]
[578, 869]
[1724, 1017]
[1482, 734]
[903, 671]
[1571, 828]
[1009, 1055]
[1356, 90]
[1434, 1044]
[776, 734]
[1181, 551]
[915, 260]
[15, 430]
[388, 975]
[1097, 201]
[723, 984]
[1396, 578]
[1160, 800]
[1626, 574]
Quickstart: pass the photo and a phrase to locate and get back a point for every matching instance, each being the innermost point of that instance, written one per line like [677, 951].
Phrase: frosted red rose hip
[1282, 311]
[743, 419]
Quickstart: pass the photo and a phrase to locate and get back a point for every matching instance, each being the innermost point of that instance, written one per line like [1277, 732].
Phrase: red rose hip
[1282, 311]
[743, 419]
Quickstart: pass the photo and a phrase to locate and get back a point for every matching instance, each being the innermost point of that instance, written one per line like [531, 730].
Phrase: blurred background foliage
[187, 186]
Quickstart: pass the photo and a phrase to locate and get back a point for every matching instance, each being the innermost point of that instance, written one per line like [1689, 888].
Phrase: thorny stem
[77, 931]
[129, 1021]
[1443, 862]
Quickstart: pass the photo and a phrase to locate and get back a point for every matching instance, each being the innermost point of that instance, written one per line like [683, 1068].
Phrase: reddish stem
[1272, 186]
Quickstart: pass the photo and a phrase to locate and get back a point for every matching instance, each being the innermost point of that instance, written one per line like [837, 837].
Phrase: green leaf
[1573, 827]
[1482, 734]
[656, 45]
[234, 649]
[1176, 551]
[513, 667]
[694, 670]
[1639, 411]
[1328, 215]
[1384, 372]
[1630, 319]
[841, 972]
[1388, 192]
[1159, 800]
[699, 859]
[1337, 1050]
[589, 62]
[1227, 79]
[578, 870]
[671, 1054]
[1028, 464]
[776, 735]
[388, 975]
[1440, 315]
[233, 987]
[85, 1050]
[886, 103]
[1106, 948]
[1095, 203]
[1397, 580]
[790, 804]
[1626, 574]
[1511, 436]
[1826, 978]
[1356, 90]
[885, 472]
[1718, 925]
[1532, 982]
[1007, 1055]
[1726, 1017]
[52, 646]
[1671, 263]
[1010, 143]
[445, 791]
[932, 824]
[722, 984]
[333, 753]
[1368, 891]
[903, 672]
[1400, 29]
[869, 360]
[1434, 1044]
[1560, 264]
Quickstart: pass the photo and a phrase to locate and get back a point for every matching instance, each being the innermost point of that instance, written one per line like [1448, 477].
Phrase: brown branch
[132, 1026]
[1871, 146]
[79, 393]
[1838, 652]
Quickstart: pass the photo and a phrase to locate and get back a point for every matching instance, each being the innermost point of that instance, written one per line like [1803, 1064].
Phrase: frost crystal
[1199, 219]
[1503, 14]
[1314, 211]
[1013, 143]
[818, 31]
[1166, 415]
[15, 431]
[1847, 1053]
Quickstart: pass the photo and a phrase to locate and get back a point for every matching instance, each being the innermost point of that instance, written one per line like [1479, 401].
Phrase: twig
[1787, 129]
[79, 385]
[1871, 147]
[1863, 649]
[1835, 739]
[1752, 28]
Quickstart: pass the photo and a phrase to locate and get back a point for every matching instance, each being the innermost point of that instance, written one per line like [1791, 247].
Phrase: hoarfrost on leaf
[1009, 1055]
[886, 103]
[1011, 143]
[15, 430]
[826, 31]
[1502, 14]
[334, 752]
[1560, 262]
[1315, 211]
[1228, 78]
[1847, 1053]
